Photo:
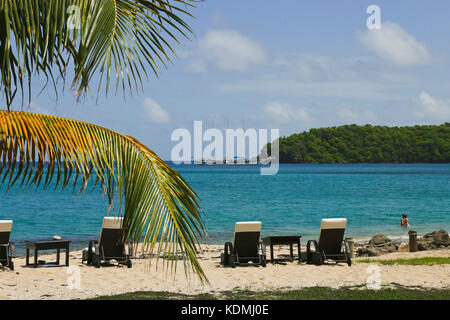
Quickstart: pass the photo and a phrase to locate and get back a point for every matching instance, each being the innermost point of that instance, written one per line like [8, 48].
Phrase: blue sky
[292, 65]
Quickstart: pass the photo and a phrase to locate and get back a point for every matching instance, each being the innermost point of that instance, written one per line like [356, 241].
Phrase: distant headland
[368, 144]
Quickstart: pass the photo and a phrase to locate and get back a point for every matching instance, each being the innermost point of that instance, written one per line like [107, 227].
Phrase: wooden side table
[47, 245]
[283, 240]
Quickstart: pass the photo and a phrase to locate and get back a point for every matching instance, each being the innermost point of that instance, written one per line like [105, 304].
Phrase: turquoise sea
[371, 197]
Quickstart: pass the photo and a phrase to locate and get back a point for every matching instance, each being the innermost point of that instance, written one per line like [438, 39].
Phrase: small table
[283, 240]
[47, 245]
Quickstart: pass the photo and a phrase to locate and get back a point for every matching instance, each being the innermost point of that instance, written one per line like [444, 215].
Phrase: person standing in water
[404, 222]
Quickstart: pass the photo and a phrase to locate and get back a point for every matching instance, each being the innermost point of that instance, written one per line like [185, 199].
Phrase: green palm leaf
[158, 205]
[119, 39]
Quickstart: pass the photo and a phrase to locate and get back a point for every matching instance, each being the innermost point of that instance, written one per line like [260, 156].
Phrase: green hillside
[368, 144]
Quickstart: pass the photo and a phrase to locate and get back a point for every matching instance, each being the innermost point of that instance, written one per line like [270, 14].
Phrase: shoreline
[21, 249]
[150, 275]
[83, 241]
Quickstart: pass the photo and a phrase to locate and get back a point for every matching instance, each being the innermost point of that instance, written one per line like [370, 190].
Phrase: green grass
[428, 261]
[397, 292]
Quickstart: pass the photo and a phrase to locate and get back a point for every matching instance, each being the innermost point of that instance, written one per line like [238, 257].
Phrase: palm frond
[119, 39]
[125, 36]
[158, 204]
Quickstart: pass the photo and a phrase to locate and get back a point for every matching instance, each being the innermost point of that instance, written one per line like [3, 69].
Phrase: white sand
[52, 282]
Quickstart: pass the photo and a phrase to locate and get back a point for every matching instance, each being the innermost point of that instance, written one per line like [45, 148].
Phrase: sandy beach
[52, 282]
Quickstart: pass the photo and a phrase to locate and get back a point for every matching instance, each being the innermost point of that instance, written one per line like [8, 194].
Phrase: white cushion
[335, 223]
[248, 226]
[112, 222]
[6, 225]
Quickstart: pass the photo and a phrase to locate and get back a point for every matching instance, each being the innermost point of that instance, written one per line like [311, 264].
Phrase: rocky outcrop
[369, 252]
[379, 239]
[433, 240]
[381, 244]
[378, 245]
[403, 247]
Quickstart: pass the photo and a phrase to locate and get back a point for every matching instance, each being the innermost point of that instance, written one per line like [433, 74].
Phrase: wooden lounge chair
[110, 245]
[7, 248]
[247, 246]
[331, 244]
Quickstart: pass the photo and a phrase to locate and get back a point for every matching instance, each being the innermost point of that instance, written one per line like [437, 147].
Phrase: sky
[289, 64]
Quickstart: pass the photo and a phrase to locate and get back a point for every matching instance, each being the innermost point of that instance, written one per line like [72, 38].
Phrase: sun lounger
[7, 248]
[247, 247]
[331, 244]
[110, 245]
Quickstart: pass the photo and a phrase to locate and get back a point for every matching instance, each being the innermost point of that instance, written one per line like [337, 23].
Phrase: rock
[438, 238]
[433, 240]
[379, 239]
[424, 244]
[370, 252]
[404, 247]
[381, 244]
[392, 247]
[378, 245]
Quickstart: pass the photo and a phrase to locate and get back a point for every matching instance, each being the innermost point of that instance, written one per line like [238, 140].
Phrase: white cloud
[350, 114]
[154, 112]
[432, 108]
[196, 66]
[313, 67]
[325, 76]
[396, 46]
[355, 89]
[291, 117]
[231, 51]
[285, 113]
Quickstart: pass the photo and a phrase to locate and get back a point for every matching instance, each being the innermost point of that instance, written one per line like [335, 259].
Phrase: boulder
[379, 239]
[392, 247]
[438, 238]
[383, 241]
[424, 244]
[378, 245]
[433, 240]
[370, 252]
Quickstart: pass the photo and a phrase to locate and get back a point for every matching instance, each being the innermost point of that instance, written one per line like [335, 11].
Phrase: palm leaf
[158, 205]
[119, 39]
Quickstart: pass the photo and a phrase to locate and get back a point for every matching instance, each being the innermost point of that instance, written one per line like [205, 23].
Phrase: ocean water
[371, 197]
